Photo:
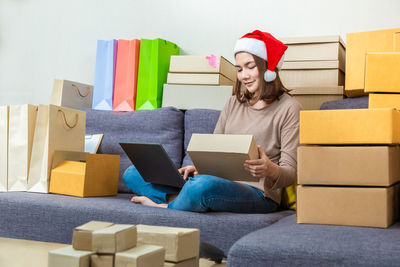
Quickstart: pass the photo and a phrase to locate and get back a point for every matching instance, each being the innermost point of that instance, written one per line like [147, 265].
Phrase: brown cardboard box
[382, 72]
[199, 79]
[311, 98]
[384, 101]
[348, 165]
[193, 262]
[350, 126]
[180, 243]
[69, 257]
[101, 260]
[312, 77]
[358, 44]
[116, 238]
[223, 155]
[314, 48]
[200, 64]
[84, 175]
[141, 256]
[310, 65]
[82, 235]
[354, 206]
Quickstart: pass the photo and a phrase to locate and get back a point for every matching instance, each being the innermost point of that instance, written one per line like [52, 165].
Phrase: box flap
[60, 156]
[312, 39]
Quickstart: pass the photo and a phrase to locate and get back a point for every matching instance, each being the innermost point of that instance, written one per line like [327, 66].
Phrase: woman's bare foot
[147, 202]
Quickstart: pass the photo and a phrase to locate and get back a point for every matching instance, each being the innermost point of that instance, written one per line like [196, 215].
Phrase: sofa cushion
[287, 243]
[347, 103]
[52, 218]
[164, 126]
[198, 121]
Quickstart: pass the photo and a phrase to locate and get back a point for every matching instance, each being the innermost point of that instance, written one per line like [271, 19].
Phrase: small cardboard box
[69, 257]
[348, 165]
[116, 238]
[4, 110]
[199, 79]
[82, 235]
[384, 101]
[102, 260]
[202, 64]
[196, 96]
[311, 98]
[193, 262]
[141, 256]
[223, 155]
[358, 44]
[354, 206]
[382, 72]
[314, 48]
[350, 126]
[180, 243]
[312, 77]
[84, 175]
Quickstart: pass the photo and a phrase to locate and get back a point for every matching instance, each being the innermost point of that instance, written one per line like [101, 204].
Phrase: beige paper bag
[71, 94]
[57, 128]
[3, 147]
[22, 119]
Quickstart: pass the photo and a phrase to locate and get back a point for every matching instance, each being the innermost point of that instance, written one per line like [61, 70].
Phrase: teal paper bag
[154, 59]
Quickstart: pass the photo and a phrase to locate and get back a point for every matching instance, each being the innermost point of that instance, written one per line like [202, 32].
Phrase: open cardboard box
[223, 155]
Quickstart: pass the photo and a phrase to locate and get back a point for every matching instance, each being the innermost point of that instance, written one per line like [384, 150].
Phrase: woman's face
[247, 71]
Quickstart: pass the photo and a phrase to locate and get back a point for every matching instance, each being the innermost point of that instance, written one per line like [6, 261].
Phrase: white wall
[45, 39]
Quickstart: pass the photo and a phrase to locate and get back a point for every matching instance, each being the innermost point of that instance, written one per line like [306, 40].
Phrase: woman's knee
[132, 178]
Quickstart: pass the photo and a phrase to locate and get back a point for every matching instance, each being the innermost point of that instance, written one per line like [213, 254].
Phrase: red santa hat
[265, 46]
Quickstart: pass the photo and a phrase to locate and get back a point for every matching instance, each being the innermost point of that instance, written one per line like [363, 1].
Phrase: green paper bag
[154, 59]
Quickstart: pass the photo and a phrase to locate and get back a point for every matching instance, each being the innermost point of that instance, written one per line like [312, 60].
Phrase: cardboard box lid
[312, 39]
[115, 228]
[313, 64]
[116, 238]
[329, 90]
[93, 226]
[70, 252]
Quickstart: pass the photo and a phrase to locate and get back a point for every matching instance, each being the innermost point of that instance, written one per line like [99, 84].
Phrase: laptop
[153, 164]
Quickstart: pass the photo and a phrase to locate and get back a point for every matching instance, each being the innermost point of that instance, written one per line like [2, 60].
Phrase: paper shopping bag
[57, 128]
[3, 147]
[71, 94]
[126, 75]
[22, 119]
[154, 59]
[104, 74]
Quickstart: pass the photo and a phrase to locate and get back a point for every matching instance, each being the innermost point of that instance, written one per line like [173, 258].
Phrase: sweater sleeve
[289, 142]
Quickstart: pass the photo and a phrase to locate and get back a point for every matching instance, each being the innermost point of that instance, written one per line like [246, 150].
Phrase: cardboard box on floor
[82, 235]
[199, 79]
[115, 238]
[69, 257]
[101, 260]
[84, 175]
[193, 262]
[180, 243]
[314, 48]
[223, 155]
[348, 165]
[196, 96]
[384, 101]
[311, 98]
[350, 126]
[141, 256]
[382, 72]
[358, 44]
[203, 64]
[353, 206]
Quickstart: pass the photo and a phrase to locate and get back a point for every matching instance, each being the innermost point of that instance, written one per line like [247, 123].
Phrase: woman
[265, 110]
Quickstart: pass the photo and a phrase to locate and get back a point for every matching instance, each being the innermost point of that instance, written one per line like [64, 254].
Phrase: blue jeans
[203, 193]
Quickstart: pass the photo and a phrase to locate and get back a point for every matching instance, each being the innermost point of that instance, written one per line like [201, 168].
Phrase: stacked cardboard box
[314, 68]
[199, 82]
[104, 244]
[355, 184]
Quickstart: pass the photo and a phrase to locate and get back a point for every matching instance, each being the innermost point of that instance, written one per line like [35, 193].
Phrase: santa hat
[265, 46]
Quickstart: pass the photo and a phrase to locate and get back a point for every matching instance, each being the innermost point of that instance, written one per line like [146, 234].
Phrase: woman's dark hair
[269, 91]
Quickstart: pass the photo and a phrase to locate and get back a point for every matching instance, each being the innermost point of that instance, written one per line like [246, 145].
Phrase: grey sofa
[247, 239]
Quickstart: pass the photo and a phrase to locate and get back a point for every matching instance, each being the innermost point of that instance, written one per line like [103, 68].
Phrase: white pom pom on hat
[265, 46]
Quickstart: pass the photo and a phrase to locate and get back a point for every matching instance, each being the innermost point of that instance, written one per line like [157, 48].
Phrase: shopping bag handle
[65, 119]
[79, 92]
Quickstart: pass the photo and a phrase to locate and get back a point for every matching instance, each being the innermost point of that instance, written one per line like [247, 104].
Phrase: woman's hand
[262, 167]
[186, 171]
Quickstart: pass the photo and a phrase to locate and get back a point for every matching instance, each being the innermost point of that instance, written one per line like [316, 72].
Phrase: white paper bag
[22, 119]
[3, 147]
[57, 128]
[71, 94]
